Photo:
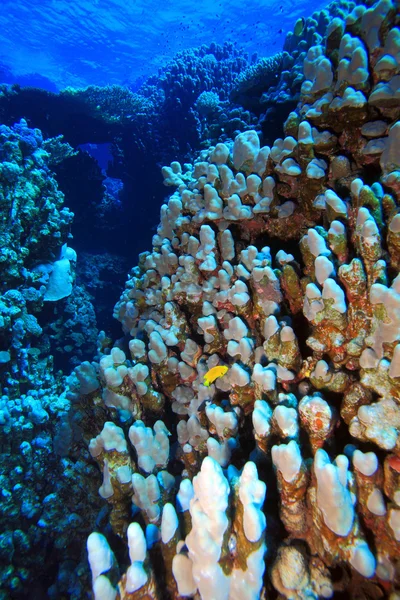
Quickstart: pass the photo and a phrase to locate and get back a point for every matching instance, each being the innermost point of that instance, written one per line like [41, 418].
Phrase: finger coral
[280, 263]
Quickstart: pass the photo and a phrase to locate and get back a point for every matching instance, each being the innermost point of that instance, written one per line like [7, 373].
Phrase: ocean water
[103, 42]
[130, 293]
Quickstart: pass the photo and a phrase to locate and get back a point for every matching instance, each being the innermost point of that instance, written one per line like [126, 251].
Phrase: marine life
[213, 374]
[124, 472]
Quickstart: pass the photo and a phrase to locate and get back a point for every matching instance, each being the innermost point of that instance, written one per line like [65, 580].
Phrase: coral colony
[312, 388]
[247, 423]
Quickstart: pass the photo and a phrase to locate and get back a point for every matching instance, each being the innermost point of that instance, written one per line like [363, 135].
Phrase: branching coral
[256, 79]
[115, 103]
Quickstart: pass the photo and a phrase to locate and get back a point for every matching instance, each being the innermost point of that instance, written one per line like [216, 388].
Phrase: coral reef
[144, 128]
[44, 510]
[257, 78]
[265, 91]
[36, 266]
[102, 275]
[281, 96]
[280, 263]
[72, 330]
[115, 103]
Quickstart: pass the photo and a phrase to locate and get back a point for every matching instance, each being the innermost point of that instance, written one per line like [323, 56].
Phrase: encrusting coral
[44, 509]
[281, 264]
[36, 265]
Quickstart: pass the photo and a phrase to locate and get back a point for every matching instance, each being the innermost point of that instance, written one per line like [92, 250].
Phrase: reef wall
[250, 414]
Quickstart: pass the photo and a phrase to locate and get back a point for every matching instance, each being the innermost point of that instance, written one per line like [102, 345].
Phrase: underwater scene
[199, 300]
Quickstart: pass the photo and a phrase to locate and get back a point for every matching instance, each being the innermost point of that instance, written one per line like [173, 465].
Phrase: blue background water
[77, 43]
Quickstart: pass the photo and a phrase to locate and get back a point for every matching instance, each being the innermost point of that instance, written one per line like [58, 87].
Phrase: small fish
[213, 374]
[299, 26]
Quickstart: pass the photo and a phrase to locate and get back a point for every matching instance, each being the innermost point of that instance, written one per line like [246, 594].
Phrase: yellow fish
[213, 374]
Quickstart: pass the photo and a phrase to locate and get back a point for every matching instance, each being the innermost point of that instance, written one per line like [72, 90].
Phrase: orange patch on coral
[394, 463]
[318, 423]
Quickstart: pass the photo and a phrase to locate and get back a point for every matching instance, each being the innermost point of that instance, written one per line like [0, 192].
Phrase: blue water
[77, 43]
